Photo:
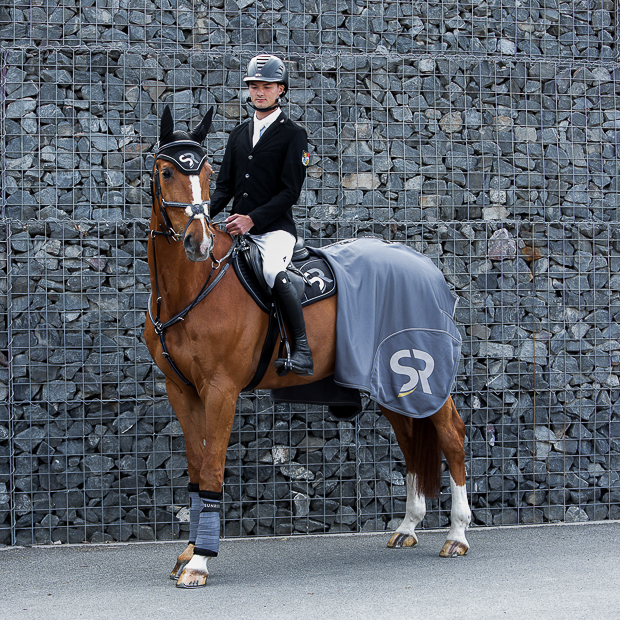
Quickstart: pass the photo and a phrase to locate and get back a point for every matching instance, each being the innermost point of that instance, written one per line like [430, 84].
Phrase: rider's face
[265, 94]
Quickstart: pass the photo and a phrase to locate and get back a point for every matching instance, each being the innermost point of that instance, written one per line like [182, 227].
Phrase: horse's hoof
[177, 570]
[399, 539]
[453, 549]
[182, 561]
[190, 579]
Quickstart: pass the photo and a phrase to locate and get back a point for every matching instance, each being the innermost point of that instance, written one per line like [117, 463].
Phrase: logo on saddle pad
[415, 375]
[316, 275]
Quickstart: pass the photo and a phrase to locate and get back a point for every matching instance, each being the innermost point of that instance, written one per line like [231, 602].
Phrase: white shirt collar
[265, 122]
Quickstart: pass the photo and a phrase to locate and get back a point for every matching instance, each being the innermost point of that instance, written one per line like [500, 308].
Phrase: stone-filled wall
[485, 135]
[573, 30]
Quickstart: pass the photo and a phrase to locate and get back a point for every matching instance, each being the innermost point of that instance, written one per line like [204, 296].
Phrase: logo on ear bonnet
[189, 159]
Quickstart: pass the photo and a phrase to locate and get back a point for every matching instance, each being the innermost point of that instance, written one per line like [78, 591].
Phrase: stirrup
[284, 365]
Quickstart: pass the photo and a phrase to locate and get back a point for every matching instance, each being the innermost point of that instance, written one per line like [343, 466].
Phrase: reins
[194, 211]
[159, 327]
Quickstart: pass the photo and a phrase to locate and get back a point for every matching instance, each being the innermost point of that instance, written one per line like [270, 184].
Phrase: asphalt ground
[546, 572]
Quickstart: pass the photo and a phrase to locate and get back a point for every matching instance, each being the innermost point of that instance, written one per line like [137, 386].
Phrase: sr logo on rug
[416, 376]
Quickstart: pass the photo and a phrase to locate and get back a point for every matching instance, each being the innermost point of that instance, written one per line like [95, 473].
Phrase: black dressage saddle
[311, 275]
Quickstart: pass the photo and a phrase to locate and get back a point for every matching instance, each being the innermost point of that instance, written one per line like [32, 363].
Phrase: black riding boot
[290, 304]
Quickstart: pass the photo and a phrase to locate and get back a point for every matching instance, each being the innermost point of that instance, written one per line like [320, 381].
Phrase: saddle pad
[316, 270]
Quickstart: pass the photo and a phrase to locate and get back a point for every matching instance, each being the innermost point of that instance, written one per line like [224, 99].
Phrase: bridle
[194, 212]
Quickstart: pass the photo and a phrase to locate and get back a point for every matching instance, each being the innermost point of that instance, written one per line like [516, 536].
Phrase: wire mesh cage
[485, 136]
[570, 30]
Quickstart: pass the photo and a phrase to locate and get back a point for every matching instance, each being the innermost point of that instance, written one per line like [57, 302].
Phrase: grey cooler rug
[396, 338]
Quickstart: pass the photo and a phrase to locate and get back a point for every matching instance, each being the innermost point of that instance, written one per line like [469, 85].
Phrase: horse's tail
[425, 457]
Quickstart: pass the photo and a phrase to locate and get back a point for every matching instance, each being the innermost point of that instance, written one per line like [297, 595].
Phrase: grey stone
[575, 514]
[501, 246]
[21, 107]
[28, 439]
[538, 153]
[98, 464]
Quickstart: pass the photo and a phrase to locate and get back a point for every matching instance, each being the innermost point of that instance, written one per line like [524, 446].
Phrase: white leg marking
[415, 510]
[198, 562]
[460, 515]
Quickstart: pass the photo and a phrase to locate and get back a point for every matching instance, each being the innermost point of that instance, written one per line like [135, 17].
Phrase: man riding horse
[203, 308]
[263, 170]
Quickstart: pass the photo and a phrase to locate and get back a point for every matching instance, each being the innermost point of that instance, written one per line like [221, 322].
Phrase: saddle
[311, 275]
[314, 280]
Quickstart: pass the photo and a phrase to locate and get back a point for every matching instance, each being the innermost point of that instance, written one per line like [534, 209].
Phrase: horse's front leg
[218, 416]
[189, 410]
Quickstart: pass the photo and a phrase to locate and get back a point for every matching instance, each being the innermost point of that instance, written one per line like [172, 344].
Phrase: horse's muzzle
[197, 247]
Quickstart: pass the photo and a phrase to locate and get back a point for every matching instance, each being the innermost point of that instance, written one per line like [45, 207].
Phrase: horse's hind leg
[451, 435]
[423, 471]
[405, 535]
[422, 442]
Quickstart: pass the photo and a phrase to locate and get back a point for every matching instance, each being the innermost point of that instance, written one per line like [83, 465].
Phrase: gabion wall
[485, 135]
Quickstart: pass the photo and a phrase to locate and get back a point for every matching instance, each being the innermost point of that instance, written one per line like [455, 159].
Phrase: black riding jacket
[265, 180]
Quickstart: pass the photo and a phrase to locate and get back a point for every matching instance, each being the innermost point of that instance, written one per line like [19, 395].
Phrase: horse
[205, 333]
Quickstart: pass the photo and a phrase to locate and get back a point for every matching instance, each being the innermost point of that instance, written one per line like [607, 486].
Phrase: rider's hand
[238, 224]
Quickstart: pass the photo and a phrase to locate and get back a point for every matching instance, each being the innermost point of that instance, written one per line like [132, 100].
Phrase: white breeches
[276, 248]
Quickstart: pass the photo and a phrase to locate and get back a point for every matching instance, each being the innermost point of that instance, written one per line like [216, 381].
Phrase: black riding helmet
[267, 68]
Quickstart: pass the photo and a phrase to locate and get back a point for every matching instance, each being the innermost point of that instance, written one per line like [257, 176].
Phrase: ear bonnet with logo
[182, 148]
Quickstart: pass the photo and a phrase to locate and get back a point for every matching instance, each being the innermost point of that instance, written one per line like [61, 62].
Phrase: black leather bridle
[196, 210]
[193, 211]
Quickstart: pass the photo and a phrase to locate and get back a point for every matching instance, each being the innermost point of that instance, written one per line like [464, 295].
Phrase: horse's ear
[167, 126]
[201, 131]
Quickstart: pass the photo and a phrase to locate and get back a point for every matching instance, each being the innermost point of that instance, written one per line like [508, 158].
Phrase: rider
[263, 169]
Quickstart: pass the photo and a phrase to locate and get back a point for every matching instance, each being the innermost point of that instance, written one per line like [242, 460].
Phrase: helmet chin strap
[273, 107]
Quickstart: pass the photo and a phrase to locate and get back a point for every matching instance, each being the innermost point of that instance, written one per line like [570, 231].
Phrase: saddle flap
[245, 268]
[254, 260]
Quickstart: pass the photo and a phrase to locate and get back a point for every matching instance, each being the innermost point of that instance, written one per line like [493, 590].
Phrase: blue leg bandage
[208, 534]
[195, 506]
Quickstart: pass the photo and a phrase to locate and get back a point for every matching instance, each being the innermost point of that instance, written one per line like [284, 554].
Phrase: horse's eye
[166, 173]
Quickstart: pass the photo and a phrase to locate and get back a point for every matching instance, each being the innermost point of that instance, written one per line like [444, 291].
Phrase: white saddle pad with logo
[396, 338]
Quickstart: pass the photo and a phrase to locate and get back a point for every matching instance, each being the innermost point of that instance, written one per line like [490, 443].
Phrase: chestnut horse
[216, 347]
